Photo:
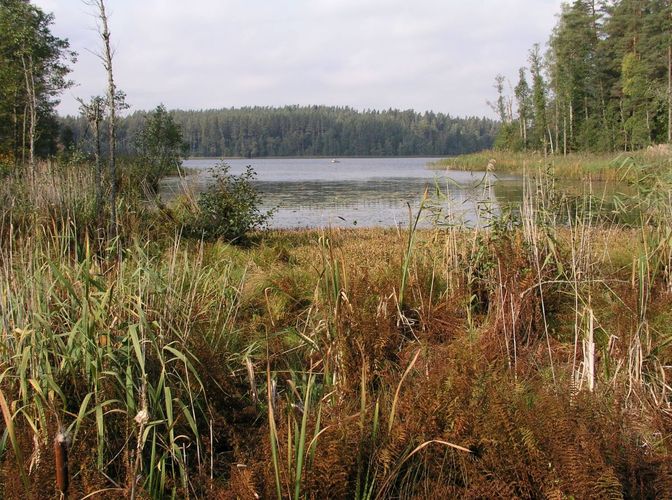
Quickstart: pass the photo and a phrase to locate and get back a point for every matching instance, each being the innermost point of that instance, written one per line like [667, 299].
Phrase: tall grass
[534, 359]
[103, 350]
[78, 347]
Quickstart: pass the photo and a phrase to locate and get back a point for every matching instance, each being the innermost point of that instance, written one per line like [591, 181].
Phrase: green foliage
[603, 84]
[523, 101]
[159, 146]
[538, 98]
[29, 49]
[228, 210]
[636, 100]
[509, 138]
[313, 131]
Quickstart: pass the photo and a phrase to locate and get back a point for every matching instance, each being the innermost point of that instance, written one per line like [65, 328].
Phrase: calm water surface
[354, 192]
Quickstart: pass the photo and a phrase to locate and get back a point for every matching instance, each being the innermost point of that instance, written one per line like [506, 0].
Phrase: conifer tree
[34, 65]
[606, 81]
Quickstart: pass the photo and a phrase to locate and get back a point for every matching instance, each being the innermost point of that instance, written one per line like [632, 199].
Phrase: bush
[229, 209]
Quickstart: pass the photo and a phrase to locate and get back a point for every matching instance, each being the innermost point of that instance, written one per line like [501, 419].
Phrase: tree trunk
[509, 109]
[111, 97]
[32, 107]
[33, 115]
[605, 120]
[564, 136]
[23, 134]
[648, 127]
[625, 130]
[99, 171]
[557, 123]
[571, 121]
[669, 93]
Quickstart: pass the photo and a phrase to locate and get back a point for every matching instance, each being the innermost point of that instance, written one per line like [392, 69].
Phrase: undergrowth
[526, 356]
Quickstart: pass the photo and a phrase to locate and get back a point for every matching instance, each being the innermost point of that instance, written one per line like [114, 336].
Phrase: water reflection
[356, 192]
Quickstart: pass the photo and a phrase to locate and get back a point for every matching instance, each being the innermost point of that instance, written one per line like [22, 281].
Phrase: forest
[603, 84]
[308, 131]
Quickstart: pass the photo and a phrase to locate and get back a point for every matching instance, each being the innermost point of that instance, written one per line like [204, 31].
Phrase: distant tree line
[604, 84]
[307, 131]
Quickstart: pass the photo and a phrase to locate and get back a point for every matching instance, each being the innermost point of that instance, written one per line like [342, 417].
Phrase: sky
[439, 55]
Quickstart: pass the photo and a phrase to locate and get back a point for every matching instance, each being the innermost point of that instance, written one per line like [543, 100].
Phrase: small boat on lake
[335, 161]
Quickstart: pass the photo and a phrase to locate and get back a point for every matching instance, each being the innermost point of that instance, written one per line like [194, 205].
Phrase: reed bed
[573, 166]
[525, 356]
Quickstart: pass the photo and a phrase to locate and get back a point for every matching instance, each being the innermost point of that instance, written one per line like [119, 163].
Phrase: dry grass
[292, 368]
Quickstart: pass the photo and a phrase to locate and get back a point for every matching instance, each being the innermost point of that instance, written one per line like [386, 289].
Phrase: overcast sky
[439, 55]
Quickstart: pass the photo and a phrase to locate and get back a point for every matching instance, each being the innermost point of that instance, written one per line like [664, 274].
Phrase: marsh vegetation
[527, 356]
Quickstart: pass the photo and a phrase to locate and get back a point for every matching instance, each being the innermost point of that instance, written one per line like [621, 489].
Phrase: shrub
[229, 209]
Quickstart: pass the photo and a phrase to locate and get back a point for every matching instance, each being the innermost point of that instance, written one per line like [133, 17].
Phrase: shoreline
[616, 166]
[372, 157]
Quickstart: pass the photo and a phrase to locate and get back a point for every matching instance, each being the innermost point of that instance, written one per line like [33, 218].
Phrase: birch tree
[106, 57]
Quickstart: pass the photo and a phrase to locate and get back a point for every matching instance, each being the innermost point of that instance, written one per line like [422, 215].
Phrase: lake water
[354, 192]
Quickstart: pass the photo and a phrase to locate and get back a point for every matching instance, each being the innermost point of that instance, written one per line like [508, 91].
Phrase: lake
[354, 192]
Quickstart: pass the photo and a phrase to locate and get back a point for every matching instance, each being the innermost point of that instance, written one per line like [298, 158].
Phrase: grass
[577, 166]
[532, 360]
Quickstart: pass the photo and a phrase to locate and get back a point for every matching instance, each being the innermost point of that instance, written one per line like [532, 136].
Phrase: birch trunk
[111, 123]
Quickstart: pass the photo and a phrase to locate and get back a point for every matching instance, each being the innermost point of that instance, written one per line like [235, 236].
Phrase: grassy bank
[526, 359]
[579, 166]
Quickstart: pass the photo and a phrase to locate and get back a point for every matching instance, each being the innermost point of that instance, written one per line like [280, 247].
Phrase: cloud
[429, 54]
